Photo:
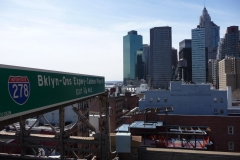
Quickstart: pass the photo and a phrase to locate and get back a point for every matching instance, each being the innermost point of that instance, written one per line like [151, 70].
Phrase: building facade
[215, 40]
[161, 56]
[140, 65]
[146, 53]
[219, 54]
[211, 33]
[199, 69]
[186, 43]
[185, 52]
[116, 112]
[130, 100]
[230, 46]
[229, 73]
[188, 99]
[131, 44]
[224, 130]
[174, 57]
[213, 71]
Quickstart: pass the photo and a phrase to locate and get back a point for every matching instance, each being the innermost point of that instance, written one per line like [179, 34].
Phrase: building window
[158, 99]
[151, 99]
[215, 110]
[230, 130]
[165, 99]
[221, 100]
[230, 146]
[215, 100]
[221, 111]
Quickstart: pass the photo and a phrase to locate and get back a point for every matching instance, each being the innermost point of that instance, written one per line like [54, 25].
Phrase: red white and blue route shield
[19, 89]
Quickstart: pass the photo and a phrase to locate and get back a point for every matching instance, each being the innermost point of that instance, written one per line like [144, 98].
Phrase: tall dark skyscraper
[146, 55]
[174, 57]
[211, 34]
[161, 56]
[230, 46]
[132, 42]
[140, 65]
[174, 63]
[185, 52]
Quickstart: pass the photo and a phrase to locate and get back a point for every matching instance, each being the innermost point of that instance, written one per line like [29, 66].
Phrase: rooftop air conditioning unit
[123, 142]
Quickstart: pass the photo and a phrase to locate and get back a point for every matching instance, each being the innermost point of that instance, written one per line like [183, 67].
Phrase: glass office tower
[132, 42]
[198, 56]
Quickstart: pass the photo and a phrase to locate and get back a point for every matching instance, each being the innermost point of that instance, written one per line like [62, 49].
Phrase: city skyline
[86, 37]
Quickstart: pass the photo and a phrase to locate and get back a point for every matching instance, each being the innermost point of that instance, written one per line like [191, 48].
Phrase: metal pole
[61, 125]
[182, 75]
[195, 141]
[22, 129]
[166, 127]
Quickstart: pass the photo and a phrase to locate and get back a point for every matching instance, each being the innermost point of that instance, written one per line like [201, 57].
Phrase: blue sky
[86, 36]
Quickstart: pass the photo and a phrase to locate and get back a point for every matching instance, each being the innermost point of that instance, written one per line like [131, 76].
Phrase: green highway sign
[27, 90]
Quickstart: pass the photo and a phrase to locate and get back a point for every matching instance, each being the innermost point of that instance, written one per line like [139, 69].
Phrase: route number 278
[20, 90]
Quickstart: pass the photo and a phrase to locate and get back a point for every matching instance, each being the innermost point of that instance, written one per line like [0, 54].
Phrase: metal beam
[48, 123]
[30, 115]
[51, 138]
[62, 140]
[61, 125]
[21, 137]
[83, 150]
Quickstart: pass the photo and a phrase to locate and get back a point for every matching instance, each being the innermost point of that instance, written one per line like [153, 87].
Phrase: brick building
[224, 130]
[116, 112]
[120, 105]
[130, 100]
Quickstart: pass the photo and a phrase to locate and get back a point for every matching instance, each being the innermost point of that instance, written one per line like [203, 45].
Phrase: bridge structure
[28, 92]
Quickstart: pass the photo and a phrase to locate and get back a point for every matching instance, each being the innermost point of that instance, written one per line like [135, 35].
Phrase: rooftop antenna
[204, 3]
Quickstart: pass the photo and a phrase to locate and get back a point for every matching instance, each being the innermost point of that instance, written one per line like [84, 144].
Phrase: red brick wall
[130, 101]
[116, 112]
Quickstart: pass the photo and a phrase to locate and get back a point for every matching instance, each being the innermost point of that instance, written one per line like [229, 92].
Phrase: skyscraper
[174, 57]
[219, 54]
[211, 34]
[239, 34]
[160, 56]
[132, 42]
[140, 65]
[230, 46]
[174, 63]
[199, 56]
[213, 72]
[185, 52]
[146, 54]
[229, 73]
[186, 43]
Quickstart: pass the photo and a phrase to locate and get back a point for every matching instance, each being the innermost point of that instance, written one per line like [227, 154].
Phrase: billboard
[26, 90]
